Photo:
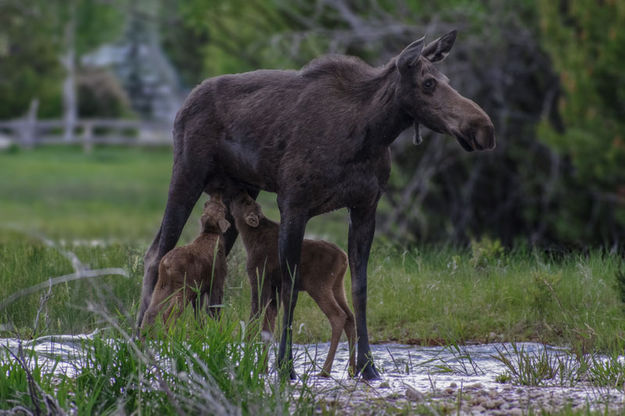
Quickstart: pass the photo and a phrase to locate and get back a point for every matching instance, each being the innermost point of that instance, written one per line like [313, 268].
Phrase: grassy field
[111, 194]
[105, 206]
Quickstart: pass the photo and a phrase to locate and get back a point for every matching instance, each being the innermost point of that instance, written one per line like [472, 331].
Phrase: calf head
[245, 209]
[214, 216]
[425, 94]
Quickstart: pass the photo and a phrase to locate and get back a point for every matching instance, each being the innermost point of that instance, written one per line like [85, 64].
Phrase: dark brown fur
[197, 268]
[322, 268]
[319, 138]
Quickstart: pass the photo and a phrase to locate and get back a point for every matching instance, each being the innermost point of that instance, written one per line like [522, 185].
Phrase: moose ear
[410, 55]
[438, 49]
[252, 220]
[223, 225]
[417, 139]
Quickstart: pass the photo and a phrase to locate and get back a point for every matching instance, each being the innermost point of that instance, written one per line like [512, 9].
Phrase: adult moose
[319, 138]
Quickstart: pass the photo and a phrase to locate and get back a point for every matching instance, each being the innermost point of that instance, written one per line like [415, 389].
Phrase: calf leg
[156, 304]
[271, 313]
[337, 317]
[260, 293]
[290, 248]
[268, 301]
[163, 302]
[176, 306]
[361, 230]
[215, 300]
[350, 324]
[254, 296]
[185, 188]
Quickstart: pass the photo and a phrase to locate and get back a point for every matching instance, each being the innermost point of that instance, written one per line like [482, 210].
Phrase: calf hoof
[369, 372]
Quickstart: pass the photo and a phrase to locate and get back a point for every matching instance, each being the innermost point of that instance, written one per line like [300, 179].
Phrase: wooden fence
[27, 132]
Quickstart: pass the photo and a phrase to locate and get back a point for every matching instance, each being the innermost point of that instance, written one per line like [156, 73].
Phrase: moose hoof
[369, 372]
[287, 373]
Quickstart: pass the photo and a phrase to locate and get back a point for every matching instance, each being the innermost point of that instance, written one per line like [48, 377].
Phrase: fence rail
[86, 132]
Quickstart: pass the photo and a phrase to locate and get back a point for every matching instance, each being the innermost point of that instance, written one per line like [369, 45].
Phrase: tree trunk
[70, 101]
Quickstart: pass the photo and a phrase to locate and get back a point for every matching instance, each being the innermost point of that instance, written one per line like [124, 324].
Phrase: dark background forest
[549, 73]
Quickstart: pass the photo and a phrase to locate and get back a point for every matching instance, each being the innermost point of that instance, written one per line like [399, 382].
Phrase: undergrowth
[197, 367]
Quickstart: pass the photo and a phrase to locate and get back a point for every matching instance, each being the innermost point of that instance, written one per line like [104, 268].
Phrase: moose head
[429, 99]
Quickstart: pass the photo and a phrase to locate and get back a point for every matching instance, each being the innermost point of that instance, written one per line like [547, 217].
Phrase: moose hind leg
[185, 188]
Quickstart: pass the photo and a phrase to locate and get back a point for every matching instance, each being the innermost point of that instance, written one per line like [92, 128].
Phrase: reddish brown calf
[197, 268]
[323, 266]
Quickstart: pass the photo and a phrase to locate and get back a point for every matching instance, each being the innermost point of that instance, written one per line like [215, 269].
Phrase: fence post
[87, 136]
[28, 128]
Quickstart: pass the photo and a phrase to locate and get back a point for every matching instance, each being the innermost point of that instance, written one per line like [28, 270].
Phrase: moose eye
[429, 84]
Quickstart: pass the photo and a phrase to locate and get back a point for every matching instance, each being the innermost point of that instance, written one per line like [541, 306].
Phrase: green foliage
[15, 380]
[29, 57]
[241, 35]
[33, 39]
[97, 22]
[485, 252]
[200, 368]
[562, 368]
[607, 371]
[543, 291]
[620, 282]
[586, 43]
[528, 369]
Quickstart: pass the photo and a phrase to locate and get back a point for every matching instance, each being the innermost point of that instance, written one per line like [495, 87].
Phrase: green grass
[203, 368]
[64, 193]
[112, 193]
[429, 294]
[419, 295]
[565, 369]
[105, 207]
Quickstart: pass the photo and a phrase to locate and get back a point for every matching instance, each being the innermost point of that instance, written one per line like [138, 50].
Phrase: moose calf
[197, 268]
[323, 266]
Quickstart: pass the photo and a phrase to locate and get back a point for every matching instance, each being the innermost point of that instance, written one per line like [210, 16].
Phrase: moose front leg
[361, 231]
[290, 248]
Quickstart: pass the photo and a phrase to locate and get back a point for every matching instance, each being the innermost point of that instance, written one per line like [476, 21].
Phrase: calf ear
[252, 219]
[223, 225]
[438, 49]
[410, 55]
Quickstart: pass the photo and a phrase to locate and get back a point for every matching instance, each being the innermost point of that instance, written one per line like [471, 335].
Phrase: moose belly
[242, 163]
[323, 193]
